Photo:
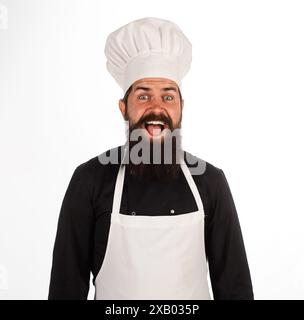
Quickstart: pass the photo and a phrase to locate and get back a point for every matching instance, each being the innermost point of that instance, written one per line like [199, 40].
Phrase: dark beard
[151, 171]
[161, 172]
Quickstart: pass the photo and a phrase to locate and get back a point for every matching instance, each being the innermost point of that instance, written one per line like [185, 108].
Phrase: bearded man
[148, 219]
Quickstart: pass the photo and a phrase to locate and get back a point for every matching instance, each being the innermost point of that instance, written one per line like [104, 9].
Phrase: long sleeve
[229, 270]
[72, 254]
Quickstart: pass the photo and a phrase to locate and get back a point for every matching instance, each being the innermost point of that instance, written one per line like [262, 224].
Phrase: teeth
[155, 122]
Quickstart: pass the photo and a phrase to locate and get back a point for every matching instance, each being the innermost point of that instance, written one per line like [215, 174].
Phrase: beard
[154, 158]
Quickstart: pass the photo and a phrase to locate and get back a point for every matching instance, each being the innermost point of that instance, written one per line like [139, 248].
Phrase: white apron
[154, 257]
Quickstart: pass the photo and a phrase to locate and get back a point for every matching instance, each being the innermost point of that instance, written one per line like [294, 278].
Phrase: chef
[148, 229]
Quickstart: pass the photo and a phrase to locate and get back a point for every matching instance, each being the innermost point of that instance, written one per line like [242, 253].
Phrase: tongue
[154, 129]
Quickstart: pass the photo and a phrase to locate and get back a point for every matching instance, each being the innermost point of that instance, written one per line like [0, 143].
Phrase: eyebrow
[149, 89]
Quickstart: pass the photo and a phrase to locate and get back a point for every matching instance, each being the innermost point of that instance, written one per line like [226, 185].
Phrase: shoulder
[211, 182]
[92, 173]
[99, 163]
[111, 156]
[202, 169]
[210, 179]
[96, 167]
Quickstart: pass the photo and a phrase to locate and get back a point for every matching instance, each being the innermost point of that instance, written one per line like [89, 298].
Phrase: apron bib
[154, 257]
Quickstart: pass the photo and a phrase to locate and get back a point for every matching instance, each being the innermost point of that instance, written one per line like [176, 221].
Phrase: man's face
[154, 108]
[153, 104]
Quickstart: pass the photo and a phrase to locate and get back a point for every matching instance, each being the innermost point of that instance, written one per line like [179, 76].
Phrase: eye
[170, 98]
[143, 97]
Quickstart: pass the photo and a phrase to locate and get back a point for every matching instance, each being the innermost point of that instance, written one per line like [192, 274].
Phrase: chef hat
[148, 47]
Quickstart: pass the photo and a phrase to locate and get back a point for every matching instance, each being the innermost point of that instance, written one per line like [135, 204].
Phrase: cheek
[135, 113]
[175, 114]
[137, 109]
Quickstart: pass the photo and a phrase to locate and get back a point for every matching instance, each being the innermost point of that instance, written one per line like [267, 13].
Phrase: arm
[72, 254]
[229, 271]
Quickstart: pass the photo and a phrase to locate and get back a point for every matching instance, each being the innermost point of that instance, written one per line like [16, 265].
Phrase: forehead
[155, 83]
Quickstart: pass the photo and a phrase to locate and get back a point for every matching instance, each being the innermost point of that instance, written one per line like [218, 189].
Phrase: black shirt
[84, 222]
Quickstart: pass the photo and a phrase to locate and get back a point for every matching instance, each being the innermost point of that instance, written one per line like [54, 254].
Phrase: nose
[157, 109]
[157, 104]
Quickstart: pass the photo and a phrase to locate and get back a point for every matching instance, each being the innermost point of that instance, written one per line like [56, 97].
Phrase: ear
[122, 108]
[182, 104]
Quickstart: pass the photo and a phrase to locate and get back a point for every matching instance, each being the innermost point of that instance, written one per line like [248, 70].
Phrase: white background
[243, 113]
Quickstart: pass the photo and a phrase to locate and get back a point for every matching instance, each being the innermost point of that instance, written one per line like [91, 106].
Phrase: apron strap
[118, 189]
[192, 186]
[119, 183]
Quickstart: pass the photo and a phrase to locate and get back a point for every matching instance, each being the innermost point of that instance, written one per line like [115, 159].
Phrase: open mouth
[155, 127]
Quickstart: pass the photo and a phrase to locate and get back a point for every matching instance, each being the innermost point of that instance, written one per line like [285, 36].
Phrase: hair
[126, 96]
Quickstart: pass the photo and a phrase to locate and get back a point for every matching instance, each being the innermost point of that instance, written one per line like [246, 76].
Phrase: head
[154, 107]
[148, 58]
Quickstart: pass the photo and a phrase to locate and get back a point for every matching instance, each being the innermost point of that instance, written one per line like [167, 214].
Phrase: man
[149, 219]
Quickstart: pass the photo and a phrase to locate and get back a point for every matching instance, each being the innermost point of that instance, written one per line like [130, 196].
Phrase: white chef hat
[148, 47]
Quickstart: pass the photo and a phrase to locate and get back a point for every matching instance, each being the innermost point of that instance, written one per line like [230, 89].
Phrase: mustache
[153, 117]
